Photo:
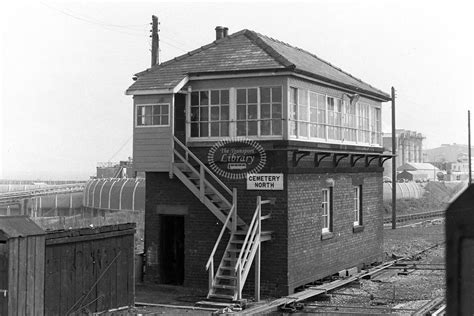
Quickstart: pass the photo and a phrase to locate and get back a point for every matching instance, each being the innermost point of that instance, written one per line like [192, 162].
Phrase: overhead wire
[120, 149]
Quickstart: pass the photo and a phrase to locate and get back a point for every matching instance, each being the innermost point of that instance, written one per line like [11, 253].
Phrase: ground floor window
[357, 207]
[326, 206]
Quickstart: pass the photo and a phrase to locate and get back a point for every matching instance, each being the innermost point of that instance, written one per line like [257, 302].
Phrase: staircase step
[224, 296]
[234, 250]
[226, 277]
[226, 268]
[224, 287]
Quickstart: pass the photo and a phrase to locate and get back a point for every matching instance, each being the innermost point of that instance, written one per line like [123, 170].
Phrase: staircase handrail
[249, 232]
[202, 165]
[211, 257]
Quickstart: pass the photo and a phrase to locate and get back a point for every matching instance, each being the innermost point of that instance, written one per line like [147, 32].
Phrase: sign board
[265, 181]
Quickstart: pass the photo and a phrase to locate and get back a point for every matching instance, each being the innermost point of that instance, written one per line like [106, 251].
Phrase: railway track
[409, 217]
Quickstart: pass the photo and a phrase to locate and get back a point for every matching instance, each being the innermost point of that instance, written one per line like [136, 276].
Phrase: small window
[326, 206]
[357, 205]
[153, 115]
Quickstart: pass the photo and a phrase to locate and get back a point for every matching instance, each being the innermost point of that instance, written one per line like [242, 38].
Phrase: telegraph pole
[469, 144]
[394, 165]
[155, 41]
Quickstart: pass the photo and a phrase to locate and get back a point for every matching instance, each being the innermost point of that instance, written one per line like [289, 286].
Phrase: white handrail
[220, 236]
[222, 184]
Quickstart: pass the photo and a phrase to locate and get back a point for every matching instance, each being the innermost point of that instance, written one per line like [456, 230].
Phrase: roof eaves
[381, 95]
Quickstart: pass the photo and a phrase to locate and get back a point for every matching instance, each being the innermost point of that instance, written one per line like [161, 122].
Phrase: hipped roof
[247, 51]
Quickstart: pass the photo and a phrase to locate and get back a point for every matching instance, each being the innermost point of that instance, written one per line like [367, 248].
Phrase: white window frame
[209, 113]
[152, 104]
[326, 209]
[357, 206]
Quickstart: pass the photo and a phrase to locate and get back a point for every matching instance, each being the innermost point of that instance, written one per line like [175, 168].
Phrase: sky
[64, 66]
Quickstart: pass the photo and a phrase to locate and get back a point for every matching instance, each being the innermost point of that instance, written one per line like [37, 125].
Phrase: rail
[249, 249]
[409, 217]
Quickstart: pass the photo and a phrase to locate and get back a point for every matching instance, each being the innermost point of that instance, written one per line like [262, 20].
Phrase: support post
[394, 165]
[469, 144]
[258, 254]
[211, 274]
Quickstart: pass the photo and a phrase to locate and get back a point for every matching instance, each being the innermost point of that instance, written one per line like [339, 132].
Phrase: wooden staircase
[245, 240]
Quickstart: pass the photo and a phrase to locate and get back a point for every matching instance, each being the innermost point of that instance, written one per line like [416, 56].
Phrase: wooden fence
[89, 270]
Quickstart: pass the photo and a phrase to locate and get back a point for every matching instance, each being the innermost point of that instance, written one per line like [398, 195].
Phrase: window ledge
[358, 228]
[327, 235]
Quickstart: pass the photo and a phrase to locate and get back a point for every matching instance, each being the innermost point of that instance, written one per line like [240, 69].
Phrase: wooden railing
[250, 249]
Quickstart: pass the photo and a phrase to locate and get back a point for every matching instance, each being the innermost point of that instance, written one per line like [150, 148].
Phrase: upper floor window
[314, 115]
[259, 111]
[210, 113]
[153, 115]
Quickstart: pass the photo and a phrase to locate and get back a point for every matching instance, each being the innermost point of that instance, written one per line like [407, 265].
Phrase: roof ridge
[322, 60]
[191, 53]
[254, 37]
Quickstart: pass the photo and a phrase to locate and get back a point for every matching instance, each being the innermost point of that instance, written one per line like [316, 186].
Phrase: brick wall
[311, 258]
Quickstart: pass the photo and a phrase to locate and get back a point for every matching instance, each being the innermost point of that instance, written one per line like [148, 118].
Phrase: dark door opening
[180, 116]
[172, 249]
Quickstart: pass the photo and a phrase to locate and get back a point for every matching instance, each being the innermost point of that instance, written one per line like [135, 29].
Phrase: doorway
[172, 249]
[180, 116]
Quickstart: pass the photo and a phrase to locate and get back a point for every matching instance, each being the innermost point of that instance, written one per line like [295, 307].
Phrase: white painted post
[258, 254]
[211, 274]
[239, 281]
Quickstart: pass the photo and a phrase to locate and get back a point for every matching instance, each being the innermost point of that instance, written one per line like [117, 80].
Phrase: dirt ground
[384, 294]
[393, 293]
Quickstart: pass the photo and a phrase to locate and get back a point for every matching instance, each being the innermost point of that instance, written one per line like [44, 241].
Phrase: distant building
[418, 170]
[459, 170]
[446, 153]
[122, 169]
[409, 148]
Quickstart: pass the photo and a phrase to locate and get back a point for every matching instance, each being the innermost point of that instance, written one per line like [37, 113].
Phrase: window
[357, 207]
[293, 110]
[259, 111]
[210, 113]
[326, 206]
[153, 115]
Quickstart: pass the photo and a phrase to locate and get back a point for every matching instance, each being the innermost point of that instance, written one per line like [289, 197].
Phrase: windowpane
[204, 113]
[252, 95]
[276, 94]
[224, 113]
[156, 109]
[265, 128]
[164, 120]
[224, 96]
[265, 111]
[265, 95]
[303, 129]
[148, 110]
[195, 98]
[139, 120]
[276, 110]
[204, 129]
[215, 97]
[194, 130]
[252, 128]
[252, 115]
[302, 97]
[214, 113]
[194, 114]
[203, 98]
[164, 109]
[241, 128]
[224, 129]
[214, 129]
[313, 117]
[241, 96]
[276, 127]
[241, 112]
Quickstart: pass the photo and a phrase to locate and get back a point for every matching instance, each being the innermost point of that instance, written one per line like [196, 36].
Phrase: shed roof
[417, 166]
[18, 226]
[247, 51]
